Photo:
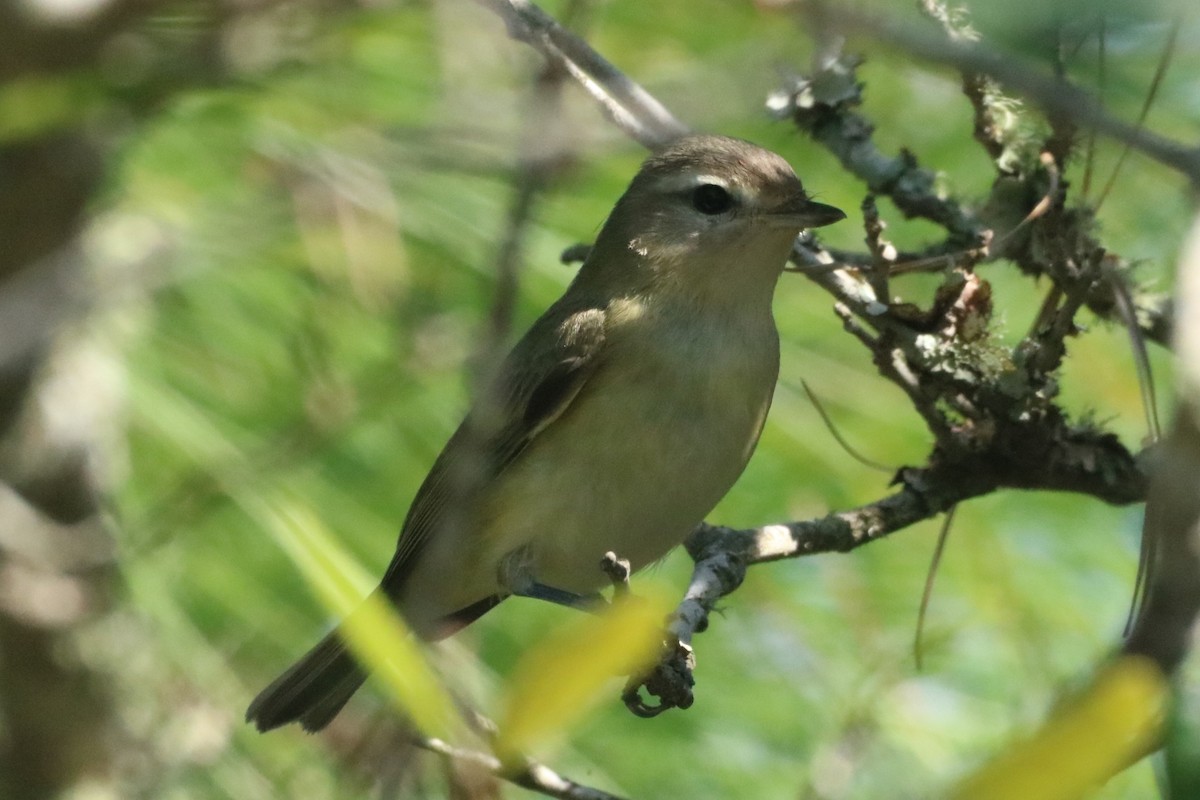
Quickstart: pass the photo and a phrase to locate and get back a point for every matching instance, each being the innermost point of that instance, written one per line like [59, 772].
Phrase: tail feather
[312, 691]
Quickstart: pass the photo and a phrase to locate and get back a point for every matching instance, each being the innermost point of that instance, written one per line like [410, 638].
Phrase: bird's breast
[653, 441]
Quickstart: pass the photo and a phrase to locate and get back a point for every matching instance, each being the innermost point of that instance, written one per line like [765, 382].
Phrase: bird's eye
[712, 199]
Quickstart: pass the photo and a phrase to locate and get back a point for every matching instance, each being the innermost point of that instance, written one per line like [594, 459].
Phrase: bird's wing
[523, 403]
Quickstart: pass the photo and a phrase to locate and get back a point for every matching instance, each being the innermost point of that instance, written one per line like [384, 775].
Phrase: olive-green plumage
[616, 423]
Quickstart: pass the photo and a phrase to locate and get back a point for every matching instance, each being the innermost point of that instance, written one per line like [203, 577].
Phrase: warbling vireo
[616, 424]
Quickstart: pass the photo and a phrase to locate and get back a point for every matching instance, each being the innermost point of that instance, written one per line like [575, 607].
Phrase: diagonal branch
[630, 107]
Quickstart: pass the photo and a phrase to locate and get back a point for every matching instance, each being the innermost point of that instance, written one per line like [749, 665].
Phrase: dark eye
[711, 199]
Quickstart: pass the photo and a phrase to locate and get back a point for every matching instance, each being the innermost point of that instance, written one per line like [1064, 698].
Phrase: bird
[616, 423]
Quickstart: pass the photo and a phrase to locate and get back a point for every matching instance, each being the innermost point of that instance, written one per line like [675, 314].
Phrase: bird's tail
[312, 691]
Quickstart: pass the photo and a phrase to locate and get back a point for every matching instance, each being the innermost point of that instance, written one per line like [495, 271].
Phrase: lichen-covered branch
[992, 409]
[1089, 463]
[1054, 95]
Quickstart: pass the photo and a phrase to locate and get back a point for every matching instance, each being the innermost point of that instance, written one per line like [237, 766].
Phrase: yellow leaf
[374, 631]
[1116, 721]
[380, 639]
[558, 681]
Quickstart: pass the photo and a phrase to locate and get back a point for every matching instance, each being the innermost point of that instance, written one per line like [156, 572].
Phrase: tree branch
[1054, 95]
[630, 107]
[534, 776]
[1099, 468]
[992, 412]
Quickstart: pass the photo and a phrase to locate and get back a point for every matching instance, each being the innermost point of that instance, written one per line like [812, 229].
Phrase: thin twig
[837, 435]
[1147, 549]
[927, 592]
[630, 107]
[883, 252]
[1089, 161]
[1141, 358]
[1167, 623]
[1043, 204]
[972, 256]
[1164, 62]
[544, 149]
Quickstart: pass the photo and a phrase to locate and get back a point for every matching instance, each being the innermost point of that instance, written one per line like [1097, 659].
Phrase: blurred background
[250, 248]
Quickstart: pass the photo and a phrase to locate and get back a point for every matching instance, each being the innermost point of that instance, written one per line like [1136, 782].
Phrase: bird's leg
[617, 570]
[540, 591]
[516, 576]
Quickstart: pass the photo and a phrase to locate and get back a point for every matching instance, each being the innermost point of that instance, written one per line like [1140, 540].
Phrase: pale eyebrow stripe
[674, 183]
[712, 179]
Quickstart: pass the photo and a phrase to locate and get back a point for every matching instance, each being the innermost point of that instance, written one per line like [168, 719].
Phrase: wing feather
[535, 385]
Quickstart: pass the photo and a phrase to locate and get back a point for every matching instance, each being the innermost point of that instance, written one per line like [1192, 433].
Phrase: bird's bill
[800, 212]
[814, 215]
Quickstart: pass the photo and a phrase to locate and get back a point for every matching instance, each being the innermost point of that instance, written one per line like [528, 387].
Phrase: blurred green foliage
[314, 251]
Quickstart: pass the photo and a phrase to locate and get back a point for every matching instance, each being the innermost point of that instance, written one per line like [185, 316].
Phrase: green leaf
[562, 678]
[375, 632]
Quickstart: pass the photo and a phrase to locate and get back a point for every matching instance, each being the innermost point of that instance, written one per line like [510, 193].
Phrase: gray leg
[517, 577]
[540, 591]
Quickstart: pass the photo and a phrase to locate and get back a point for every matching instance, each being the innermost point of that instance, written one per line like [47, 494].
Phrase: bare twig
[1168, 619]
[1141, 358]
[670, 680]
[1089, 162]
[883, 252]
[1065, 239]
[1047, 200]
[1160, 72]
[630, 107]
[926, 593]
[837, 435]
[544, 151]
[965, 259]
[533, 776]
